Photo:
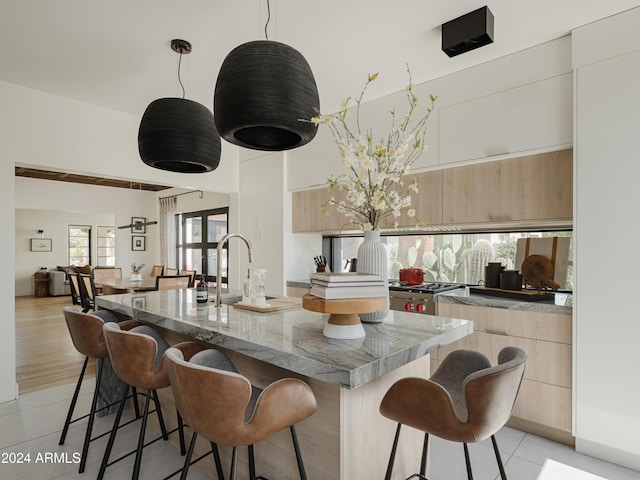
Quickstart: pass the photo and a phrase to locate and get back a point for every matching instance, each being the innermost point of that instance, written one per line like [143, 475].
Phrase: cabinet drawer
[518, 323]
[544, 404]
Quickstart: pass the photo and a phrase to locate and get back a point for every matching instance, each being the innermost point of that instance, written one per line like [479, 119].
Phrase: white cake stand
[343, 322]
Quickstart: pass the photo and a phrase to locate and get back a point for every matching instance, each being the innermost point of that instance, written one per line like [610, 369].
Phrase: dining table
[126, 285]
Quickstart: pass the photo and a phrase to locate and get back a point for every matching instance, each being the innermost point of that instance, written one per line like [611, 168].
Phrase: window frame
[89, 229]
[182, 245]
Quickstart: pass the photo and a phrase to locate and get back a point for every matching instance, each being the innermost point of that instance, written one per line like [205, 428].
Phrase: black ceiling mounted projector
[470, 31]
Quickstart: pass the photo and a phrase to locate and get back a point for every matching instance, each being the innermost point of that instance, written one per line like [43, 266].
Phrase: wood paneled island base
[346, 438]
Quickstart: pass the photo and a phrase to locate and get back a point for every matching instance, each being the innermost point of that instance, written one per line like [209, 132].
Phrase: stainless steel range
[418, 298]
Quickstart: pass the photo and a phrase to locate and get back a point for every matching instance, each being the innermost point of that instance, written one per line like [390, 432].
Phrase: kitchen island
[347, 438]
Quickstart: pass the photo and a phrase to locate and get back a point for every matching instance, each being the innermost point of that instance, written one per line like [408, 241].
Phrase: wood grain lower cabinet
[544, 401]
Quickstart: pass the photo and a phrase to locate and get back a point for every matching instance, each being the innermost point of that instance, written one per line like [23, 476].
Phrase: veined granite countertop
[293, 339]
[562, 303]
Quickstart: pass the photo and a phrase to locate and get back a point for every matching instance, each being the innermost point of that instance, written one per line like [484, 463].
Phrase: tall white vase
[372, 258]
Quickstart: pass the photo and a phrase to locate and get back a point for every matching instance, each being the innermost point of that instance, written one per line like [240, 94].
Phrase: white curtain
[168, 210]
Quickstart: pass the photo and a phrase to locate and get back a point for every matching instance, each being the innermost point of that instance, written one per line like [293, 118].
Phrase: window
[106, 247]
[198, 235]
[79, 245]
[459, 257]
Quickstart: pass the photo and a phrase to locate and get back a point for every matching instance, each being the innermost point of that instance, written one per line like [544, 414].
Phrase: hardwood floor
[45, 355]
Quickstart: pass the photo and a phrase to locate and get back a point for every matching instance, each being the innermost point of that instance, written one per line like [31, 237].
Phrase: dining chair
[172, 282]
[192, 274]
[157, 270]
[74, 288]
[88, 292]
[170, 272]
[102, 273]
[465, 400]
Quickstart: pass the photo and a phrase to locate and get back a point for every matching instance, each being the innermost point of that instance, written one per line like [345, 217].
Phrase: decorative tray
[273, 305]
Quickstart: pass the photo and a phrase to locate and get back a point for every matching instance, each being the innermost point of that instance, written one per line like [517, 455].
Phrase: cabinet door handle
[496, 332]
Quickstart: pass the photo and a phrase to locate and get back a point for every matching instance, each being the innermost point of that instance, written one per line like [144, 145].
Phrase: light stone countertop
[562, 303]
[293, 339]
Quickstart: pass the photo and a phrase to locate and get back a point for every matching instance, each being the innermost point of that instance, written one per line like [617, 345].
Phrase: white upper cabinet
[536, 116]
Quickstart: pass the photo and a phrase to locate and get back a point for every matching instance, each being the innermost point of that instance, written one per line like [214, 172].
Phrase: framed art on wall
[41, 244]
[138, 243]
[138, 225]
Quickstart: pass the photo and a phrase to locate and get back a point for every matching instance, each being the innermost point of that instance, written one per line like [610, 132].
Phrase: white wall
[8, 387]
[51, 206]
[51, 132]
[606, 320]
[55, 226]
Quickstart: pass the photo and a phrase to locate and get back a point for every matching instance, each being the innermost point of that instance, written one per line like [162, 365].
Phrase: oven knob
[420, 308]
[408, 306]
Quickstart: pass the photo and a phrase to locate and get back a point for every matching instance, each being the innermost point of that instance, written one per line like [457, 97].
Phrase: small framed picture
[138, 225]
[40, 244]
[138, 243]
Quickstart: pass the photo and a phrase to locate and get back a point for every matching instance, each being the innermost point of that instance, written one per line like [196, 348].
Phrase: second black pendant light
[265, 97]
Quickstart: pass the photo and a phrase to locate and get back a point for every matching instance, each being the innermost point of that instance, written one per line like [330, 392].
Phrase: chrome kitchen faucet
[221, 243]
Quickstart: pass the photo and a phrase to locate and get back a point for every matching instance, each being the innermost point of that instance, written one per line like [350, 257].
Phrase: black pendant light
[265, 96]
[177, 134]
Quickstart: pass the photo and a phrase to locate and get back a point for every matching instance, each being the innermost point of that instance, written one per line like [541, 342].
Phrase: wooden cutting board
[275, 304]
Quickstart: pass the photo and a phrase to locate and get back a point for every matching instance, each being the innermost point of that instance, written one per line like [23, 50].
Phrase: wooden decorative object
[343, 322]
[537, 271]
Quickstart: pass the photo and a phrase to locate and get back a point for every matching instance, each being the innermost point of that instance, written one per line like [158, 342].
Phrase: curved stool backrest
[218, 402]
[86, 332]
[135, 356]
[491, 393]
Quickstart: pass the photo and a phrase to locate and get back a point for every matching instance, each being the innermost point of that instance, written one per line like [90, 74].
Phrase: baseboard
[607, 453]
[545, 431]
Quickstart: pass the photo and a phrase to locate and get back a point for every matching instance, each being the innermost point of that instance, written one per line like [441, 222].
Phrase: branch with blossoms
[374, 172]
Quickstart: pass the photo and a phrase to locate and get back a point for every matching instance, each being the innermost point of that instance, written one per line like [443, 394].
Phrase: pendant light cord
[179, 79]
[266, 35]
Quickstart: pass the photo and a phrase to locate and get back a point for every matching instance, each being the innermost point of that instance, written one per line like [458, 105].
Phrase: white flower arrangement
[136, 267]
[373, 179]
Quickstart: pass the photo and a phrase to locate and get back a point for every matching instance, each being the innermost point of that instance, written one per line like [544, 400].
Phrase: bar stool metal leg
[181, 434]
[503, 475]
[74, 400]
[163, 429]
[92, 414]
[296, 447]
[392, 457]
[112, 436]
[216, 458]
[187, 460]
[425, 451]
[143, 428]
[466, 458]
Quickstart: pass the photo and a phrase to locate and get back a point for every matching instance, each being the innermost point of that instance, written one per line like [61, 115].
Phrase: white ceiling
[115, 53]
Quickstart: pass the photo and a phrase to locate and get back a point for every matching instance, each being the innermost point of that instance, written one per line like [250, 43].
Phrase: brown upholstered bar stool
[137, 358]
[465, 400]
[222, 406]
[86, 334]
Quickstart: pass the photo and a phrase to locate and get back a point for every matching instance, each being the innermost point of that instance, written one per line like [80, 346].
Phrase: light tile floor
[32, 425]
